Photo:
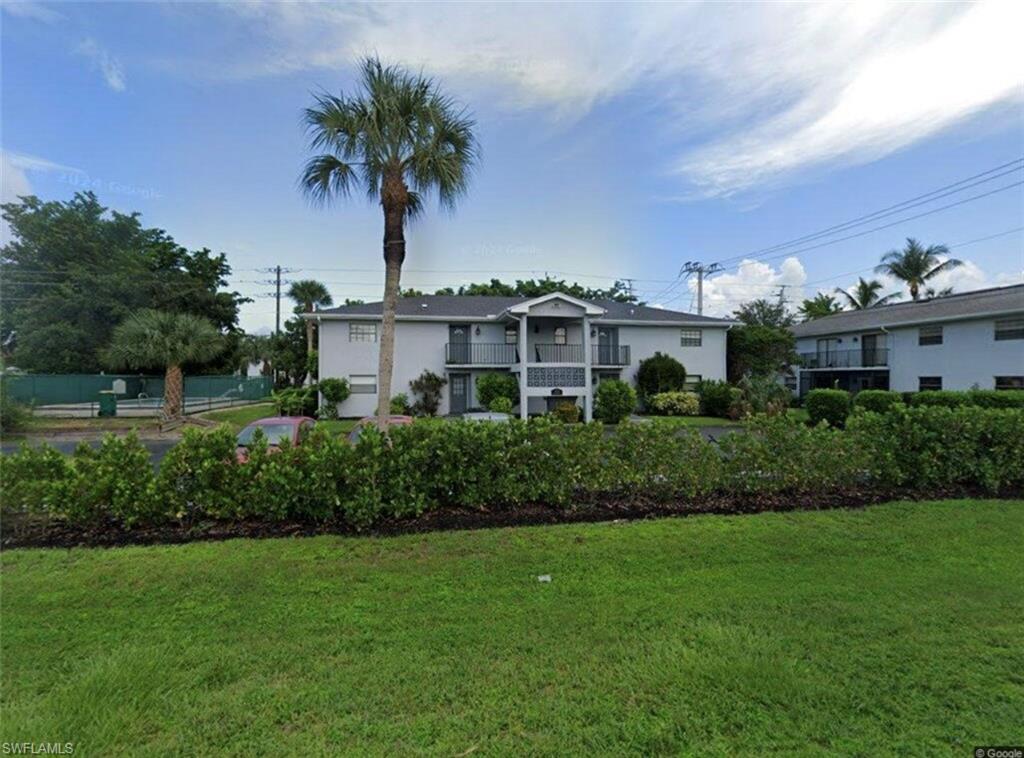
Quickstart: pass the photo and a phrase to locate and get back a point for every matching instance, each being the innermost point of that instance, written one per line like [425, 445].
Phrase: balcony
[503, 354]
[480, 354]
[863, 358]
[609, 355]
[550, 353]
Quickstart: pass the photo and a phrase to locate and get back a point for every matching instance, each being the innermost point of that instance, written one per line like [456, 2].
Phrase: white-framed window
[511, 335]
[689, 337]
[926, 383]
[363, 384]
[929, 335]
[692, 380]
[1010, 382]
[1009, 329]
[560, 335]
[362, 333]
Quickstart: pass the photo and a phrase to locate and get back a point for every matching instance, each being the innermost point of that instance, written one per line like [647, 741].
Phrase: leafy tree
[819, 306]
[915, 264]
[760, 350]
[619, 291]
[149, 338]
[865, 295]
[428, 387]
[288, 353]
[309, 295]
[398, 137]
[74, 269]
[659, 373]
[614, 401]
[496, 384]
[762, 312]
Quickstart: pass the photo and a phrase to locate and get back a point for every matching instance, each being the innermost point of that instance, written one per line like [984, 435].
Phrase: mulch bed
[20, 530]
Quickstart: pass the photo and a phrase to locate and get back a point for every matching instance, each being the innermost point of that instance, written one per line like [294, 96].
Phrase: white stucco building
[957, 342]
[561, 345]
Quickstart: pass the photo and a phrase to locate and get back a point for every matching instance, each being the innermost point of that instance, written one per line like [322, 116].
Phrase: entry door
[458, 340]
[869, 350]
[458, 388]
[607, 345]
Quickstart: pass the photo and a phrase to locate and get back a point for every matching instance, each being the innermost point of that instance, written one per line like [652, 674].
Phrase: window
[1010, 382]
[362, 333]
[689, 337]
[1010, 329]
[560, 335]
[363, 384]
[511, 335]
[692, 380]
[925, 383]
[929, 335]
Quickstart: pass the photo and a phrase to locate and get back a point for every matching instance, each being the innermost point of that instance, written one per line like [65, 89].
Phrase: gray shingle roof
[964, 305]
[484, 306]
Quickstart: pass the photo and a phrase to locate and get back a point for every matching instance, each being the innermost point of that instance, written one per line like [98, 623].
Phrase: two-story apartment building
[974, 339]
[558, 347]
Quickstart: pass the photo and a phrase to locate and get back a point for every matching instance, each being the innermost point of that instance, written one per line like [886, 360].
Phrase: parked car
[357, 430]
[276, 429]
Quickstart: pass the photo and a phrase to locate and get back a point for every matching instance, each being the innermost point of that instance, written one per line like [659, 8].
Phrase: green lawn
[52, 424]
[697, 421]
[895, 629]
[239, 417]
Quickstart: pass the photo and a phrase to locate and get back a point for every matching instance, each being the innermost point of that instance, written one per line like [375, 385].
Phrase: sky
[618, 141]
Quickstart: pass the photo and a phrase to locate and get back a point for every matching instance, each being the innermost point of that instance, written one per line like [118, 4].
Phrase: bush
[428, 387]
[334, 391]
[832, 406]
[567, 412]
[675, 404]
[997, 398]
[716, 397]
[400, 405]
[13, 415]
[614, 401]
[940, 398]
[500, 405]
[295, 401]
[877, 401]
[759, 394]
[976, 398]
[659, 373]
[491, 386]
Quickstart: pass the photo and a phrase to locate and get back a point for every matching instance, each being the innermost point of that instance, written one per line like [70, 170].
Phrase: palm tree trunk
[394, 255]
[174, 392]
[309, 346]
[913, 290]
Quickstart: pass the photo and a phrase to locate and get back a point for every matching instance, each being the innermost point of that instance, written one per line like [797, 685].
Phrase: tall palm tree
[309, 293]
[865, 295]
[916, 264]
[150, 338]
[397, 138]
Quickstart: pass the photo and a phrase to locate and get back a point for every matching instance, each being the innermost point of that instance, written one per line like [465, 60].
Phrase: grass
[698, 421]
[240, 417]
[51, 424]
[895, 629]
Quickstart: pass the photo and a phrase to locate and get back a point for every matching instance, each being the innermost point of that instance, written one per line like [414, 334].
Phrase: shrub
[13, 415]
[400, 405]
[759, 394]
[295, 401]
[428, 387]
[675, 404]
[200, 476]
[832, 406]
[334, 391]
[877, 401]
[494, 385]
[997, 398]
[500, 404]
[716, 397]
[659, 373]
[978, 398]
[567, 412]
[941, 398]
[29, 478]
[615, 400]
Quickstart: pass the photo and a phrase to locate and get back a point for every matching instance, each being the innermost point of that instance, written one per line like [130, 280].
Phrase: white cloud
[753, 279]
[33, 10]
[109, 66]
[756, 91]
[969, 276]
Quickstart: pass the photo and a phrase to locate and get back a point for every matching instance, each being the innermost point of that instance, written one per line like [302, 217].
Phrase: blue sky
[618, 141]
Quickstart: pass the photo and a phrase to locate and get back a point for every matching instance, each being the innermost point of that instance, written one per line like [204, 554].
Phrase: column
[523, 370]
[588, 382]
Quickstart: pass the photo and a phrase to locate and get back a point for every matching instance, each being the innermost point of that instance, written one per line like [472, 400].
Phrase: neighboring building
[974, 339]
[563, 346]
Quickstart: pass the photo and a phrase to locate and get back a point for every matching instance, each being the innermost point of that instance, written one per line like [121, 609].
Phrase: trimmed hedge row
[433, 465]
[975, 398]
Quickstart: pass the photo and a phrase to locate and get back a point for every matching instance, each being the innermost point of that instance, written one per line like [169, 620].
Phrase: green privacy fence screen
[72, 389]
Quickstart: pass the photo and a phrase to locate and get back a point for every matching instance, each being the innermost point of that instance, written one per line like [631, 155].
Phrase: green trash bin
[108, 403]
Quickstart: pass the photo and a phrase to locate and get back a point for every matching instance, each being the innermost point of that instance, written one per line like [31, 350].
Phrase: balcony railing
[557, 353]
[481, 353]
[863, 358]
[609, 355]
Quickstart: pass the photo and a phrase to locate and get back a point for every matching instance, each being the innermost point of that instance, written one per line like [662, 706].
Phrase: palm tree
[915, 264]
[150, 338]
[309, 293]
[865, 295]
[397, 138]
[819, 306]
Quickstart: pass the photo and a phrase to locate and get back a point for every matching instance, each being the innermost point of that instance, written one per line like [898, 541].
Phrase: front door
[458, 343]
[458, 390]
[607, 345]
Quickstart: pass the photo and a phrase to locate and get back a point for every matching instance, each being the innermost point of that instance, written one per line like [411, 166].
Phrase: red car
[353, 436]
[275, 429]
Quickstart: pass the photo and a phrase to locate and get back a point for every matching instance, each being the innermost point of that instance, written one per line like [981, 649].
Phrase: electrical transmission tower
[701, 270]
[277, 281]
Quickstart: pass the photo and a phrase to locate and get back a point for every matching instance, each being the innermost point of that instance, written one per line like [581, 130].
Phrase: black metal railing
[609, 355]
[557, 353]
[863, 358]
[481, 353]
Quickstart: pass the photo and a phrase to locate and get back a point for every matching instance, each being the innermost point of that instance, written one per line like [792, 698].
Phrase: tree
[659, 373]
[762, 312]
[762, 344]
[74, 269]
[819, 306]
[915, 264]
[149, 338]
[619, 291]
[865, 295]
[399, 137]
[309, 294]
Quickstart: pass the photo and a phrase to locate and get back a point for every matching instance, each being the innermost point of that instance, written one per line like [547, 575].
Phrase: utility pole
[277, 281]
[701, 270]
[277, 314]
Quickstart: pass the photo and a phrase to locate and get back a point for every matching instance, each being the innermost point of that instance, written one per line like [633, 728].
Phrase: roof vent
[423, 305]
[632, 311]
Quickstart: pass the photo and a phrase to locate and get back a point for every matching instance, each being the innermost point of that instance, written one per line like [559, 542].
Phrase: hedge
[878, 401]
[832, 406]
[976, 398]
[434, 464]
[675, 404]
